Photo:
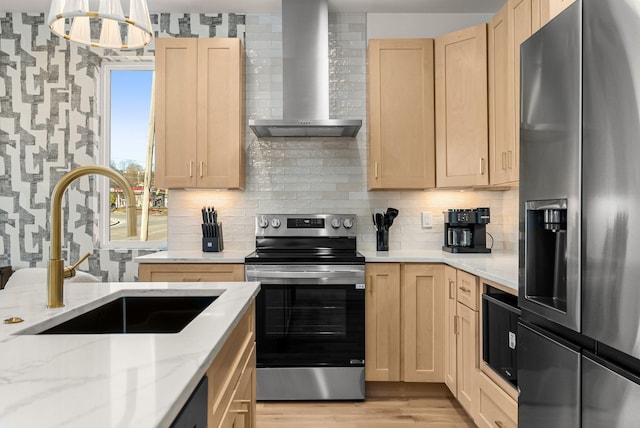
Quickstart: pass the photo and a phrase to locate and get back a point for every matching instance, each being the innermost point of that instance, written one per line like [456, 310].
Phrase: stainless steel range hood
[305, 47]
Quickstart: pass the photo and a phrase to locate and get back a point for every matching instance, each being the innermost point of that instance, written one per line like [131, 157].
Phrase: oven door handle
[340, 277]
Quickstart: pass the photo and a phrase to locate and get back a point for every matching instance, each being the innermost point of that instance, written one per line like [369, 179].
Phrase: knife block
[212, 245]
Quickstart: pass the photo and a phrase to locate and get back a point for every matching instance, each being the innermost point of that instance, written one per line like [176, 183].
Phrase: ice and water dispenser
[546, 253]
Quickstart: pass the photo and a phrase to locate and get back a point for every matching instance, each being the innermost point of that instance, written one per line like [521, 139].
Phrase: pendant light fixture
[71, 19]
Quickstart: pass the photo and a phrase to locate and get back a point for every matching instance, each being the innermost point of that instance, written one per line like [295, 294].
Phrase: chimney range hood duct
[305, 47]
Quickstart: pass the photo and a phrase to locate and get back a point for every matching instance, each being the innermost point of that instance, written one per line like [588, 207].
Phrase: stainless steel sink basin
[136, 314]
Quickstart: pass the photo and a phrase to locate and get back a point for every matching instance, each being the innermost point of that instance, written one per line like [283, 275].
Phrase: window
[127, 96]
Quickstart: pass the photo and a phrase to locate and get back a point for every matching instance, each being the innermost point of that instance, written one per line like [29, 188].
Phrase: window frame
[139, 63]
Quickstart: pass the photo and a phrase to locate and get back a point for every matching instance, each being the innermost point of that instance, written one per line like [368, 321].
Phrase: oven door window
[310, 325]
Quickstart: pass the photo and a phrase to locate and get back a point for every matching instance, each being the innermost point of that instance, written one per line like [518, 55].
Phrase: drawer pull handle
[190, 168]
[465, 290]
[452, 290]
[499, 424]
[201, 168]
[238, 411]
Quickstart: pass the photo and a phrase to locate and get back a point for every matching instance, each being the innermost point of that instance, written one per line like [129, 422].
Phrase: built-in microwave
[500, 314]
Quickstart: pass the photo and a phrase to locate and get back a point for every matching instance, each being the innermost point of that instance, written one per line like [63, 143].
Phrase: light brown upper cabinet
[401, 114]
[501, 113]
[512, 25]
[550, 8]
[462, 144]
[200, 127]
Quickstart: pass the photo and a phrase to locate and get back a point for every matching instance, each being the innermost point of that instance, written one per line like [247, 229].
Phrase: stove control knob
[275, 223]
[263, 222]
[347, 223]
[335, 223]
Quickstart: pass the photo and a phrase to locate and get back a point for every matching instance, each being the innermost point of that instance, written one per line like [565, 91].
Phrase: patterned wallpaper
[49, 124]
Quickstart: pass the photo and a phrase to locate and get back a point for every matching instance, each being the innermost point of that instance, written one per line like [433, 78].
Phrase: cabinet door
[501, 115]
[176, 111]
[549, 9]
[382, 324]
[450, 362]
[467, 347]
[221, 142]
[423, 311]
[461, 108]
[190, 272]
[401, 114]
[242, 409]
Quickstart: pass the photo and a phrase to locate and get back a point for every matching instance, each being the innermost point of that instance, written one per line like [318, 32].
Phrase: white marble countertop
[499, 267]
[226, 256]
[109, 380]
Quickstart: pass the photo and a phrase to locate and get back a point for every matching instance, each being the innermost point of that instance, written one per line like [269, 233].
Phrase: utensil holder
[382, 240]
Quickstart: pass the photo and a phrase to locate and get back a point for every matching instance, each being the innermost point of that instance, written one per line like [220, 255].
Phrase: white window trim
[140, 63]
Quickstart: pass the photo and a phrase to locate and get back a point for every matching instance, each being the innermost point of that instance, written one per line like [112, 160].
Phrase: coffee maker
[465, 230]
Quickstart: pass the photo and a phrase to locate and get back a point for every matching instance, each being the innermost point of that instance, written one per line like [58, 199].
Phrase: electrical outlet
[426, 220]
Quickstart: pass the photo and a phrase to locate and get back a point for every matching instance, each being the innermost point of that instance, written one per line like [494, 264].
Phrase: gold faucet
[57, 271]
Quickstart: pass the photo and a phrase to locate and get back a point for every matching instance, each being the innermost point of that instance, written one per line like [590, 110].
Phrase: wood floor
[433, 412]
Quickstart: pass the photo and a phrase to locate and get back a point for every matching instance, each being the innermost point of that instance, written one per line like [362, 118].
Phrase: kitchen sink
[136, 314]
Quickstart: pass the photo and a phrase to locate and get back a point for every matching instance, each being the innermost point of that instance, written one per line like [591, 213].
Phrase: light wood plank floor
[433, 412]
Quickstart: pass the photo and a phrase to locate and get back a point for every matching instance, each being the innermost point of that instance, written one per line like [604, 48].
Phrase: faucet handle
[70, 271]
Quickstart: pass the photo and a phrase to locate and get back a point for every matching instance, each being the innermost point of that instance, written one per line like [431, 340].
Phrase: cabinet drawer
[190, 272]
[467, 292]
[496, 408]
[227, 368]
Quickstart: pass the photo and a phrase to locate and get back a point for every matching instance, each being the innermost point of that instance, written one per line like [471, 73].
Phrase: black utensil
[391, 215]
[380, 221]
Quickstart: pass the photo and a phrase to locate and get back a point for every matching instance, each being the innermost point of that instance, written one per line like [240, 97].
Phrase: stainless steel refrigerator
[579, 268]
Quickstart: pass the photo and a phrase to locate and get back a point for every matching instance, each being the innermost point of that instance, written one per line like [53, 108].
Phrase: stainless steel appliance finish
[611, 199]
[318, 383]
[305, 45]
[548, 379]
[550, 167]
[580, 243]
[610, 395]
[310, 310]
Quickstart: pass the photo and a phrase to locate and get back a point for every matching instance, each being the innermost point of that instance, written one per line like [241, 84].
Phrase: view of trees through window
[129, 106]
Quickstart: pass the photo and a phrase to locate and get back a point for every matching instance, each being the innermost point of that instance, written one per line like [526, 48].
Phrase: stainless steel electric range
[310, 309]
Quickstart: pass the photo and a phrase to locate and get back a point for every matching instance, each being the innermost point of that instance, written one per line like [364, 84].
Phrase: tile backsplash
[50, 123]
[315, 175]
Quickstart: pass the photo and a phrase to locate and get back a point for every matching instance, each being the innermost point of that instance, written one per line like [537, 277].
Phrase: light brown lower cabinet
[190, 272]
[404, 322]
[232, 379]
[496, 409]
[462, 338]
